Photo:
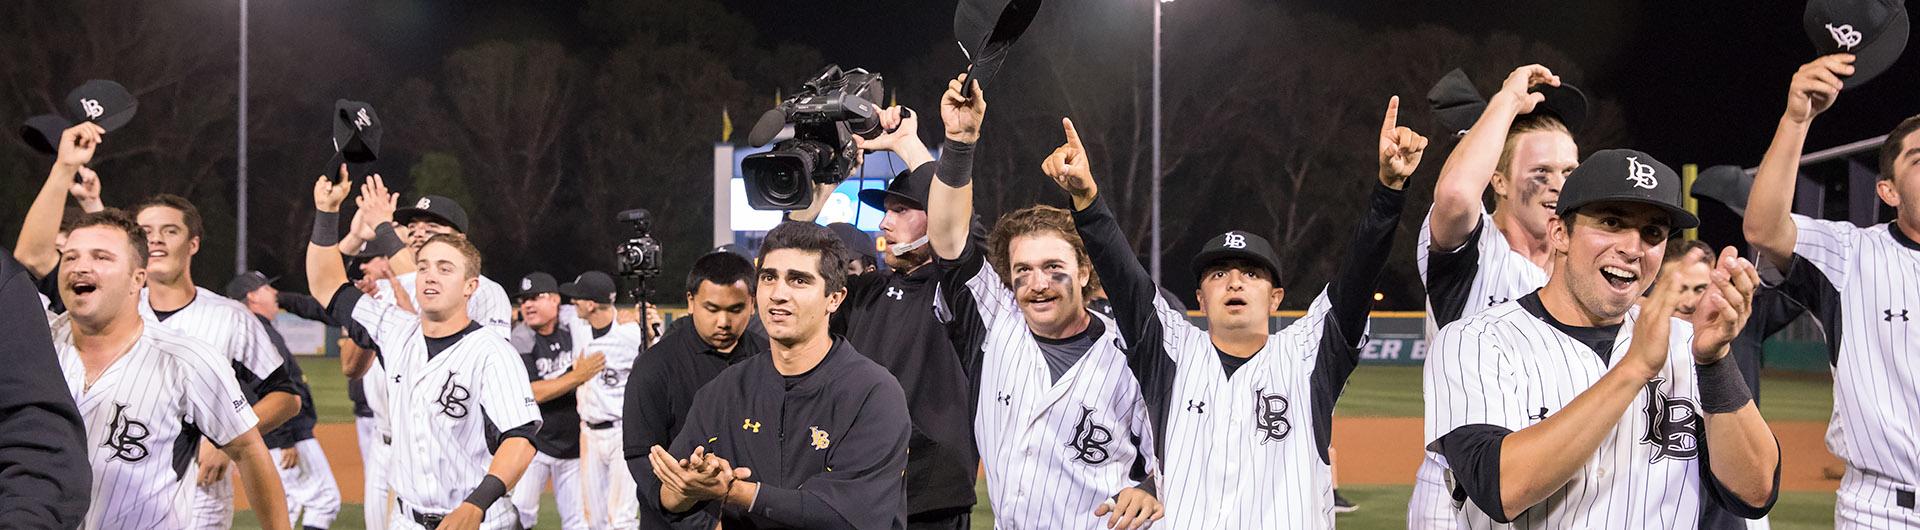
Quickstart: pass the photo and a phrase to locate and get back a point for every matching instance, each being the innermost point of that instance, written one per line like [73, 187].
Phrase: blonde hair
[466, 249]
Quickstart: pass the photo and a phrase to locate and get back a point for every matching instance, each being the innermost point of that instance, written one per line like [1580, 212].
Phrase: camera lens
[785, 183]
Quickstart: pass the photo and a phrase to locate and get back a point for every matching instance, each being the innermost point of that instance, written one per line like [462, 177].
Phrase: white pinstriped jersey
[1507, 368]
[224, 324]
[1241, 451]
[134, 414]
[602, 398]
[440, 409]
[489, 305]
[1053, 450]
[1876, 377]
[1489, 274]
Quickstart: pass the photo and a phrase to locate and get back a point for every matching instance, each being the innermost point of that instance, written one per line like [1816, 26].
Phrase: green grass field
[1374, 391]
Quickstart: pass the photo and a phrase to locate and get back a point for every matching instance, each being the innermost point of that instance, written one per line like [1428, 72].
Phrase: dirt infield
[1371, 451]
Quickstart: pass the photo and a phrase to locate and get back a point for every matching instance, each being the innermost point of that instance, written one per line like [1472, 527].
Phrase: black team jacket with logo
[828, 447]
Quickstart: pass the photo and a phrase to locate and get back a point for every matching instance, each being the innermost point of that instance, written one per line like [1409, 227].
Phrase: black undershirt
[437, 345]
[1230, 362]
[1061, 354]
[1599, 338]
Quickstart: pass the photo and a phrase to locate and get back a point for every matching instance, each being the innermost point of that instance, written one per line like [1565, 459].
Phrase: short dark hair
[192, 215]
[809, 237]
[1678, 249]
[721, 268]
[1890, 150]
[119, 220]
[1038, 219]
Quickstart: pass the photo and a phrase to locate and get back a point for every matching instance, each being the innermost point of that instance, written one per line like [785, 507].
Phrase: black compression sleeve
[956, 164]
[326, 229]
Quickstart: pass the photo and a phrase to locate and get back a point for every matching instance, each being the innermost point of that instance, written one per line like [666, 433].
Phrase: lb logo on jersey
[610, 377]
[1090, 439]
[819, 438]
[453, 398]
[1270, 416]
[1673, 425]
[126, 436]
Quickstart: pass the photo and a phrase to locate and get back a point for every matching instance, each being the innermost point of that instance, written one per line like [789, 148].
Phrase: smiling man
[1567, 407]
[812, 435]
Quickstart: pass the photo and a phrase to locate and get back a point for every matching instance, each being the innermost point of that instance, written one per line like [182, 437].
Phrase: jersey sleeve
[387, 323]
[1448, 273]
[864, 487]
[1829, 245]
[251, 347]
[490, 305]
[213, 401]
[990, 299]
[1469, 381]
[504, 392]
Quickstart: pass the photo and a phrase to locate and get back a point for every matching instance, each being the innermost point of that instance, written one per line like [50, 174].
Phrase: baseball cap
[735, 249]
[536, 283]
[42, 132]
[1874, 31]
[860, 243]
[1727, 185]
[911, 185]
[1625, 175]
[1237, 244]
[1565, 102]
[987, 30]
[1456, 105]
[591, 285]
[103, 102]
[436, 208]
[245, 283]
[356, 138]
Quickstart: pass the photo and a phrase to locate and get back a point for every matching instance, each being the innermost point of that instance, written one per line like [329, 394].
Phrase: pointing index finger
[1393, 116]
[1073, 136]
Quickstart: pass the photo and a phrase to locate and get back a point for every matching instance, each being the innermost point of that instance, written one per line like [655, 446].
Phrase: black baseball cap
[42, 132]
[356, 138]
[1874, 31]
[1565, 102]
[911, 185]
[857, 241]
[1237, 244]
[1456, 104]
[437, 208]
[103, 102]
[245, 283]
[1727, 185]
[987, 30]
[1626, 175]
[536, 283]
[591, 285]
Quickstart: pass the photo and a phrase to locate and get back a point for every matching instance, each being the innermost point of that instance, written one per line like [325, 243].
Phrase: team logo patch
[895, 293]
[1090, 439]
[126, 436]
[93, 108]
[453, 398]
[750, 425]
[1196, 407]
[525, 283]
[1232, 240]
[1888, 315]
[423, 204]
[1845, 36]
[1641, 174]
[1673, 425]
[1270, 417]
[611, 377]
[819, 437]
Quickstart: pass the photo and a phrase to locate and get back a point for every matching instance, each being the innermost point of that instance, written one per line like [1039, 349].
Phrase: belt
[603, 425]
[429, 521]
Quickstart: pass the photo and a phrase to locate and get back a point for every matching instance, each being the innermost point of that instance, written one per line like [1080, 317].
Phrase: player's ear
[834, 299]
[193, 245]
[1558, 232]
[1499, 185]
[1888, 193]
[471, 285]
[1279, 293]
[139, 279]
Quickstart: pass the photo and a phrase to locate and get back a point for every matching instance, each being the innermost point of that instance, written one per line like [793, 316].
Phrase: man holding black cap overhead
[1243, 414]
[556, 364]
[429, 216]
[664, 380]
[1574, 406]
[901, 318]
[611, 499]
[1866, 271]
[313, 499]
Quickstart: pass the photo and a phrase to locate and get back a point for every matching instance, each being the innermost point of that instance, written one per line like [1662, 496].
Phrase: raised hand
[86, 190]
[962, 108]
[77, 145]
[1514, 89]
[1816, 85]
[898, 126]
[1069, 168]
[1400, 148]
[376, 202]
[1723, 310]
[327, 194]
[1652, 332]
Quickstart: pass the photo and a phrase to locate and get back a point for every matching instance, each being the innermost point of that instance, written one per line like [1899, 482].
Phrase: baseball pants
[565, 473]
[373, 459]
[313, 499]
[611, 495]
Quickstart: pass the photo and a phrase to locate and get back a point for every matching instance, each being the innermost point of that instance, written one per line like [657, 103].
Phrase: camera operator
[901, 317]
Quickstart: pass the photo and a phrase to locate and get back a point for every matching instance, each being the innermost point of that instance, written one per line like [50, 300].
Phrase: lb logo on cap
[526, 284]
[1845, 36]
[423, 204]
[93, 108]
[1234, 241]
[1641, 174]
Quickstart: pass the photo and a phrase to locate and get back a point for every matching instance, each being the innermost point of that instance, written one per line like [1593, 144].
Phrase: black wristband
[385, 242]
[326, 229]
[956, 164]
[1722, 389]
[484, 495]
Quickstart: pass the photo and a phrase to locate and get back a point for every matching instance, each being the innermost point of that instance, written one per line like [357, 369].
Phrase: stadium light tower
[1153, 253]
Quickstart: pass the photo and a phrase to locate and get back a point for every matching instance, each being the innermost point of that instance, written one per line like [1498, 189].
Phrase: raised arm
[1743, 458]
[35, 249]
[950, 201]
[1352, 291]
[1128, 285]
[1769, 221]
[325, 272]
[1464, 177]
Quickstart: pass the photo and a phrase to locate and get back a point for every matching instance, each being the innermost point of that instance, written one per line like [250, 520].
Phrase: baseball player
[1865, 271]
[1470, 259]
[556, 363]
[812, 435]
[1243, 414]
[430, 215]
[458, 402]
[1061, 408]
[313, 499]
[715, 334]
[1568, 407]
[611, 499]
